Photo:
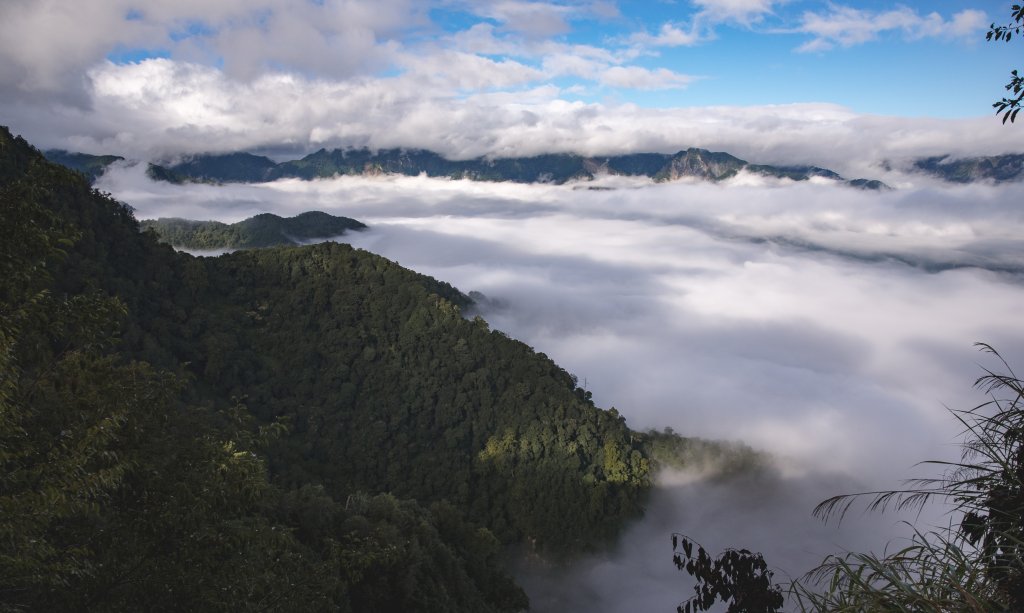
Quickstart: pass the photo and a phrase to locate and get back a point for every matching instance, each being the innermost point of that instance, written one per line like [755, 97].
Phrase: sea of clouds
[829, 326]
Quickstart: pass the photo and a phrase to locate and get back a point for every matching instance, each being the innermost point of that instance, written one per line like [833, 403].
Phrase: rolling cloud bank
[828, 326]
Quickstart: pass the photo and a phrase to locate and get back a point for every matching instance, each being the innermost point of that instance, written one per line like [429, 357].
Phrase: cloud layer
[694, 305]
[807, 320]
[159, 107]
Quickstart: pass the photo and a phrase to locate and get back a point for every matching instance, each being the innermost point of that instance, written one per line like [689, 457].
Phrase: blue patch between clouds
[132, 56]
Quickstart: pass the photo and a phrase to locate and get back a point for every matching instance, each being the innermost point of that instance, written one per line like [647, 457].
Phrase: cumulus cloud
[669, 35]
[162, 106]
[293, 75]
[635, 77]
[846, 26]
[533, 19]
[464, 71]
[744, 12]
[48, 45]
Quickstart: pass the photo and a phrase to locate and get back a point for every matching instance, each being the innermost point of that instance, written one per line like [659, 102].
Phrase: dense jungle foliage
[310, 427]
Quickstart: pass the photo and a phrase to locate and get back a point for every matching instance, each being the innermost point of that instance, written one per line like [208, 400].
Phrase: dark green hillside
[92, 166]
[264, 230]
[124, 487]
[278, 429]
[390, 389]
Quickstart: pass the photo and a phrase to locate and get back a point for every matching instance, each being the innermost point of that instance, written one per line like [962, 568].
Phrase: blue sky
[757, 59]
[174, 69]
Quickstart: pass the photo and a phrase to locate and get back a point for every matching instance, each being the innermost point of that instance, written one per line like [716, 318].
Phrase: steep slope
[380, 358]
[388, 388]
[702, 164]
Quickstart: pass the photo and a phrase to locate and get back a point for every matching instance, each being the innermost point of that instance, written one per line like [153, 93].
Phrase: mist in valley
[830, 327]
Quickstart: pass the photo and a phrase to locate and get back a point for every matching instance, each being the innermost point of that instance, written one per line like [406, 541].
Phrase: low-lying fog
[829, 326]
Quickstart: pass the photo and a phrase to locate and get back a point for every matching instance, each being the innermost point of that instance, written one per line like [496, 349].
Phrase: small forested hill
[263, 230]
[309, 427]
[548, 168]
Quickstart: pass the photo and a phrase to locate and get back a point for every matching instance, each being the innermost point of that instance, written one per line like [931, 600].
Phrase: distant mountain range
[264, 230]
[554, 168]
[997, 168]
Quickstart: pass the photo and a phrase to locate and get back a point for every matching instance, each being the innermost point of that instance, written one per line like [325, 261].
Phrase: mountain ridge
[997, 168]
[554, 168]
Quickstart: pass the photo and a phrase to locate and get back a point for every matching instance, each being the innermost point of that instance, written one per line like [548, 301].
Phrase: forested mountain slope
[227, 433]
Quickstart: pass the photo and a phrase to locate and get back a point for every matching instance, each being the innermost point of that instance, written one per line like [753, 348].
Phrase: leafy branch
[737, 576]
[1009, 107]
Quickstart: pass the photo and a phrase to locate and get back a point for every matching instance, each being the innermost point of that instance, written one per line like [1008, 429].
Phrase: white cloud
[711, 13]
[846, 26]
[744, 12]
[49, 44]
[163, 106]
[464, 71]
[635, 77]
[668, 36]
[533, 19]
